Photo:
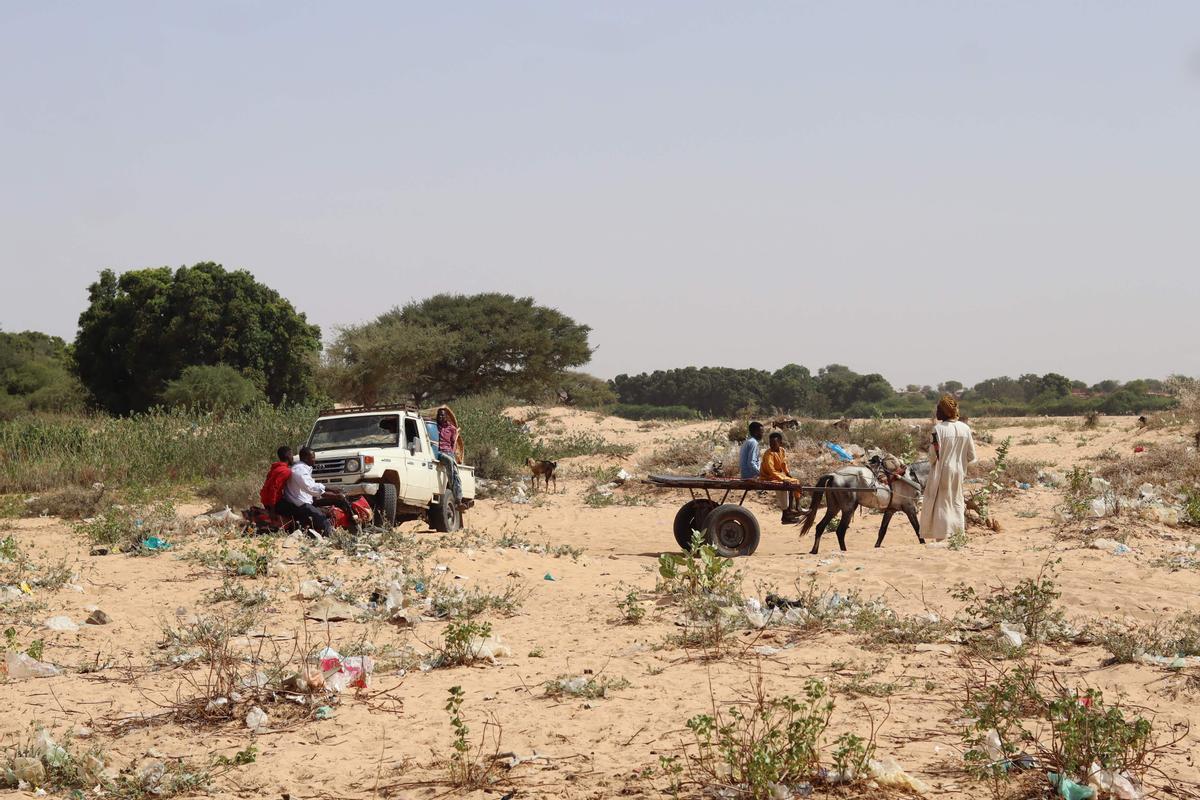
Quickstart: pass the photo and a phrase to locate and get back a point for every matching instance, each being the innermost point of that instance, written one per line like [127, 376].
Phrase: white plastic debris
[311, 589]
[1013, 633]
[61, 623]
[490, 648]
[256, 719]
[993, 747]
[21, 666]
[225, 516]
[887, 772]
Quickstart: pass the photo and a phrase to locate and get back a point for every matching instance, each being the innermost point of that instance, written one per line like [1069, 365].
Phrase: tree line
[216, 339]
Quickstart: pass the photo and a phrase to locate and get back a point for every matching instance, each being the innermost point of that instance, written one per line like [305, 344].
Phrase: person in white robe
[952, 449]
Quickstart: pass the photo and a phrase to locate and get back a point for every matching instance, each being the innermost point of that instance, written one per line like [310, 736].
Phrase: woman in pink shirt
[447, 444]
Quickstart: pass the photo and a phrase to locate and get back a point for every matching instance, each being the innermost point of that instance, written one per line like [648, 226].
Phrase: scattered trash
[1121, 549]
[1024, 485]
[1139, 449]
[1069, 789]
[29, 770]
[61, 624]
[1013, 633]
[1111, 545]
[993, 747]
[256, 719]
[151, 772]
[98, 550]
[323, 712]
[622, 477]
[839, 451]
[99, 618]
[548, 577]
[349, 672]
[311, 589]
[303, 682]
[1113, 784]
[154, 543]
[887, 772]
[223, 517]
[767, 650]
[753, 612]
[331, 610]
[490, 648]
[22, 665]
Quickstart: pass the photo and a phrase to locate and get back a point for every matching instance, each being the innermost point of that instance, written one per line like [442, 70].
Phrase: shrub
[1033, 602]
[637, 412]
[1078, 493]
[749, 749]
[704, 584]
[218, 388]
[495, 445]
[580, 444]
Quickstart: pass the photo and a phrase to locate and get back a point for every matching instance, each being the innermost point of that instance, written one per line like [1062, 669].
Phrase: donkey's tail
[815, 504]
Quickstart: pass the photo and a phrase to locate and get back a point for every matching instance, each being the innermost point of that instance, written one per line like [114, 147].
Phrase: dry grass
[1167, 465]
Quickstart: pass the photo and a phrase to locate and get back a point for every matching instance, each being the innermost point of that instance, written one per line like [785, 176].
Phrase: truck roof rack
[363, 409]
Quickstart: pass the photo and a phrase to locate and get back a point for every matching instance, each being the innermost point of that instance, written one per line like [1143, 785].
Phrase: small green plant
[8, 549]
[458, 642]
[240, 758]
[631, 608]
[704, 584]
[1190, 514]
[993, 484]
[467, 767]
[1084, 731]
[1078, 493]
[1033, 602]
[764, 742]
[958, 539]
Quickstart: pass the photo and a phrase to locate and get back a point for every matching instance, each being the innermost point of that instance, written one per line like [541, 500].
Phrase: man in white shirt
[301, 490]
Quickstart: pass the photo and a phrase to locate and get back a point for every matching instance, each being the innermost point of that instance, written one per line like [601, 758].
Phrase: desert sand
[388, 740]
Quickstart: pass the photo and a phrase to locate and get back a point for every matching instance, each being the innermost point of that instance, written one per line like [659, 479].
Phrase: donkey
[902, 495]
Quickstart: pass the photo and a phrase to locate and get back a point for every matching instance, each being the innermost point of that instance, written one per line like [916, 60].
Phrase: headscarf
[947, 407]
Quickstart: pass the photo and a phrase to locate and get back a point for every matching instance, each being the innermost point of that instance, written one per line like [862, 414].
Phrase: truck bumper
[356, 489]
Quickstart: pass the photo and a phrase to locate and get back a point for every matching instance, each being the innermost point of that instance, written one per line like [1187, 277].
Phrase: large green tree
[454, 345]
[142, 328]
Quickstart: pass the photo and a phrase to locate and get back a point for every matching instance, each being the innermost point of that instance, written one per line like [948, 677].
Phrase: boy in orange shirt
[775, 468]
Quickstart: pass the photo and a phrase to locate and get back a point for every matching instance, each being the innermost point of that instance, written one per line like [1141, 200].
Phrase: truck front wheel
[385, 506]
[444, 515]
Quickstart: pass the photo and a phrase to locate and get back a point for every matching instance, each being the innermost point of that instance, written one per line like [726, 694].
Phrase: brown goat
[545, 469]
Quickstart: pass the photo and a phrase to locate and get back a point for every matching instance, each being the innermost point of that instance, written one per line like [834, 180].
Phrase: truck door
[421, 477]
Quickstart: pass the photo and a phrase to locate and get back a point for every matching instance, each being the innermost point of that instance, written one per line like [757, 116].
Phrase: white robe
[944, 508]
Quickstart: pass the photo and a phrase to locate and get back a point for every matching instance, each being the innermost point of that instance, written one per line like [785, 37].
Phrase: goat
[545, 469]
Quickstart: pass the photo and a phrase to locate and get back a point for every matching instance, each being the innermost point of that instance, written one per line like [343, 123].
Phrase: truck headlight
[352, 465]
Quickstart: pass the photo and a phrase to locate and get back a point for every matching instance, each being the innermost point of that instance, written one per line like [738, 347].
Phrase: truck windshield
[380, 430]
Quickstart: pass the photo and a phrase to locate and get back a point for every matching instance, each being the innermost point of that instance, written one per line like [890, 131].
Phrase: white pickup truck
[389, 453]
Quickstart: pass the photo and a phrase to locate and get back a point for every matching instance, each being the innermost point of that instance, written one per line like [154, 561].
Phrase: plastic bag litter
[61, 623]
[993, 747]
[21, 666]
[225, 516]
[256, 719]
[1113, 784]
[1013, 633]
[311, 589]
[341, 673]
[29, 770]
[887, 772]
[490, 648]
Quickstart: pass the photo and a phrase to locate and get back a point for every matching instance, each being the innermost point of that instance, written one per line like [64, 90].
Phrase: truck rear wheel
[444, 515]
[385, 506]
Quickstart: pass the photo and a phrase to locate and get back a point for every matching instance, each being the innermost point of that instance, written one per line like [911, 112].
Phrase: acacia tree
[143, 328]
[456, 345]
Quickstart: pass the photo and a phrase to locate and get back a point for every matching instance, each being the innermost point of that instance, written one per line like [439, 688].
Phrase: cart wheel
[691, 516]
[733, 530]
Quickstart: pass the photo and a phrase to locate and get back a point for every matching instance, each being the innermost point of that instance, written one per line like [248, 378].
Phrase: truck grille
[329, 467]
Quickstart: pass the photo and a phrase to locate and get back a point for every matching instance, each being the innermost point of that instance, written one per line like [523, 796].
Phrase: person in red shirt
[447, 449]
[277, 478]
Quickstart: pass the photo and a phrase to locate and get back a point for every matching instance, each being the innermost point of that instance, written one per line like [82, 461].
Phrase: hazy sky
[927, 190]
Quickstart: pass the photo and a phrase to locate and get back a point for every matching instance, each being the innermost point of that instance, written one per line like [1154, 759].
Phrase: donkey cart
[731, 528]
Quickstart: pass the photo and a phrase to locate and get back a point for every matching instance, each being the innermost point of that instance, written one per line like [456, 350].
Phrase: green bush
[495, 445]
[211, 388]
[644, 412]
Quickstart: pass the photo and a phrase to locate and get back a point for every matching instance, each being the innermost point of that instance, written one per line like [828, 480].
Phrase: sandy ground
[388, 741]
